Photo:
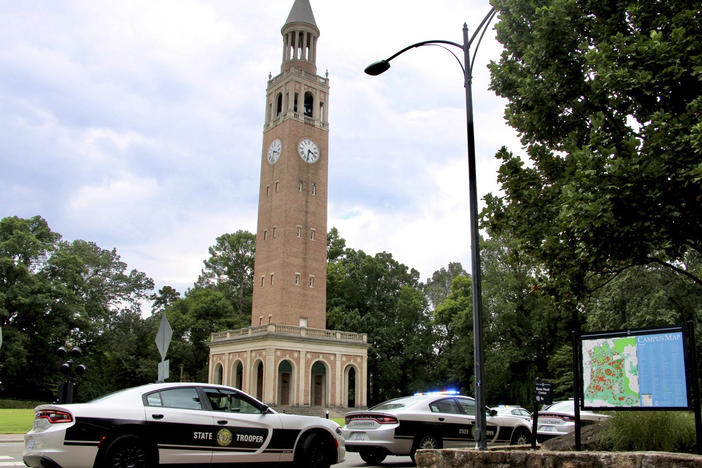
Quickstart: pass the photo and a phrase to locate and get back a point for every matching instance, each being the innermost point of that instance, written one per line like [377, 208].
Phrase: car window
[468, 406]
[393, 404]
[447, 405]
[184, 397]
[230, 402]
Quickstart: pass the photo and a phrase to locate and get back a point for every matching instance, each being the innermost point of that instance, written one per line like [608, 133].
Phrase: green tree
[378, 296]
[606, 97]
[438, 287]
[230, 269]
[193, 319]
[55, 293]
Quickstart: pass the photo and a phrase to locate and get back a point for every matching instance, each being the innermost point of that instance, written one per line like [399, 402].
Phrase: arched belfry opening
[218, 373]
[349, 388]
[258, 380]
[237, 380]
[285, 382]
[309, 104]
[318, 384]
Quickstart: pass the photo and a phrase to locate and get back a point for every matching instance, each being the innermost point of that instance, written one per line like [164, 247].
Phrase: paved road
[11, 456]
[353, 461]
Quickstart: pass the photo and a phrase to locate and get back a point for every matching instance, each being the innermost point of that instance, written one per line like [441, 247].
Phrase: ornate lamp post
[467, 67]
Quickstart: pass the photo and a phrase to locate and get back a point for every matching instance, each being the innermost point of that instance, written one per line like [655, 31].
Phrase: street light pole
[467, 67]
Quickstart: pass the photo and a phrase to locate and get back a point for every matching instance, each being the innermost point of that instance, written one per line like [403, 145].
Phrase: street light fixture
[467, 67]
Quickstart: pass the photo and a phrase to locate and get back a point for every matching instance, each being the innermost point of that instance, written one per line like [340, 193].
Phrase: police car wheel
[314, 453]
[372, 456]
[127, 452]
[521, 437]
[427, 441]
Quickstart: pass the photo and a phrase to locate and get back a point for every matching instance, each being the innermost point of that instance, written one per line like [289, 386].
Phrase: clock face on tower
[274, 151]
[308, 150]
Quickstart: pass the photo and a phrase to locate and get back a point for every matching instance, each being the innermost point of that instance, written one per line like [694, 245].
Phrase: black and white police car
[425, 421]
[185, 424]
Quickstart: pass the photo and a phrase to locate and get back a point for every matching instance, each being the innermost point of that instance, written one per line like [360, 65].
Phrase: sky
[138, 124]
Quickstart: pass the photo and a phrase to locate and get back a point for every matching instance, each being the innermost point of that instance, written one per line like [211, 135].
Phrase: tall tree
[607, 99]
[230, 269]
[381, 297]
[55, 293]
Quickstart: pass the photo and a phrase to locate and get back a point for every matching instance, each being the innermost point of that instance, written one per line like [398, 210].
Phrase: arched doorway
[285, 382]
[350, 386]
[218, 373]
[318, 384]
[237, 378]
[258, 383]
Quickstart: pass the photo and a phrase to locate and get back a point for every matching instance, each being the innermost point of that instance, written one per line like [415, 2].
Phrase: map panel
[645, 370]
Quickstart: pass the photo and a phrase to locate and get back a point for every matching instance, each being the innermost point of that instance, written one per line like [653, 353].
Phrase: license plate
[359, 436]
[30, 444]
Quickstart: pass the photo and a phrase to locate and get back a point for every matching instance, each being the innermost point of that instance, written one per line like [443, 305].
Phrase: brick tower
[287, 357]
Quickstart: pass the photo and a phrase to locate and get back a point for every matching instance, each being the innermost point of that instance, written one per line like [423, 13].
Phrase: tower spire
[300, 35]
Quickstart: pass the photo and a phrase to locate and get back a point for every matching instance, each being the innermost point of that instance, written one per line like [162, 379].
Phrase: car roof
[414, 400]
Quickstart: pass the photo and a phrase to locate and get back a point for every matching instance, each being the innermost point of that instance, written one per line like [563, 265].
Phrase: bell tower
[290, 269]
[287, 357]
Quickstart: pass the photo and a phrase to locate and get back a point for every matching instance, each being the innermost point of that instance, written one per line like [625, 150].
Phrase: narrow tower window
[299, 186]
[297, 279]
[268, 190]
[299, 232]
[311, 281]
[263, 280]
[265, 234]
[279, 105]
[313, 234]
[297, 96]
[275, 231]
[309, 104]
[277, 184]
[314, 189]
[271, 279]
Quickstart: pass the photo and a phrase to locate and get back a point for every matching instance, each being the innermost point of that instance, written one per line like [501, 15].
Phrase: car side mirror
[492, 412]
[265, 409]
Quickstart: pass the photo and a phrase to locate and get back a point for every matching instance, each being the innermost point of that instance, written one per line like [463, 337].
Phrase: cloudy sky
[138, 124]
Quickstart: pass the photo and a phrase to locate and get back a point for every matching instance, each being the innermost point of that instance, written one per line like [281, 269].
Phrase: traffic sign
[163, 336]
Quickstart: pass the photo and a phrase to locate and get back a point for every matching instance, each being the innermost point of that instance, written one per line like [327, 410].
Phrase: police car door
[179, 425]
[451, 424]
[468, 407]
[243, 428]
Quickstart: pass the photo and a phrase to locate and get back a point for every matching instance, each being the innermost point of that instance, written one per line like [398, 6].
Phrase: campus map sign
[634, 369]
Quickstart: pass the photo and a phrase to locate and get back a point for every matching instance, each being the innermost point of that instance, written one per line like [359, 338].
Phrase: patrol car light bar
[439, 392]
[54, 416]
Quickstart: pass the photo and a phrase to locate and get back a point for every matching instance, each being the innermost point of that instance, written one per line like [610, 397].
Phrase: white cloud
[138, 125]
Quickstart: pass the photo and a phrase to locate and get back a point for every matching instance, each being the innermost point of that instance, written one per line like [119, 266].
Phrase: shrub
[668, 431]
[19, 404]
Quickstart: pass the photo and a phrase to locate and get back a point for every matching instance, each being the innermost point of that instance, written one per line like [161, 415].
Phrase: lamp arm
[481, 29]
[420, 44]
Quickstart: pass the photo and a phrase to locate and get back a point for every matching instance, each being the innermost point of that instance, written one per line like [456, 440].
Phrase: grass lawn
[16, 421]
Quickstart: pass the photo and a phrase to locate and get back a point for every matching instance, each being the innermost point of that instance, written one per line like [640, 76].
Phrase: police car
[183, 424]
[425, 421]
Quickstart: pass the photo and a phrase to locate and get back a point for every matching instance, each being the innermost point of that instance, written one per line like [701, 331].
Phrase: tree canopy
[606, 97]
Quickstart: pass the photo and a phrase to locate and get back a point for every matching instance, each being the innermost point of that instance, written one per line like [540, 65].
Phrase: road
[11, 456]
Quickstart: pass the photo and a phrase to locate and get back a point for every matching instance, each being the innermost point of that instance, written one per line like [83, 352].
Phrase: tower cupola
[300, 35]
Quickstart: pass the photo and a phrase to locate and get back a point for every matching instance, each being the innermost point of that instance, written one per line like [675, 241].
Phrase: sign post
[542, 396]
[163, 341]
